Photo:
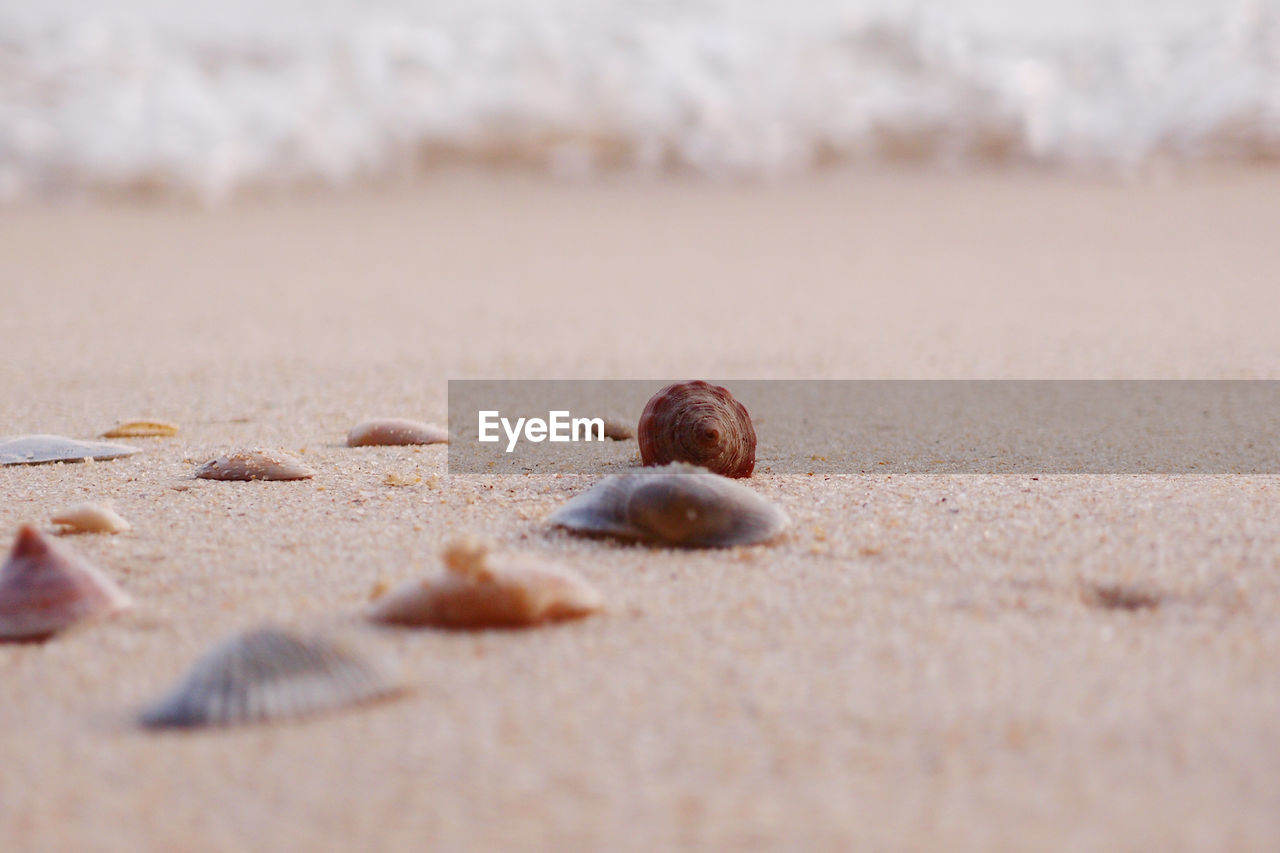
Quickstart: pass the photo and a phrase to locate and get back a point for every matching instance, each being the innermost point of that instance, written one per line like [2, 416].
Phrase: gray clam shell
[34, 449]
[675, 505]
[269, 674]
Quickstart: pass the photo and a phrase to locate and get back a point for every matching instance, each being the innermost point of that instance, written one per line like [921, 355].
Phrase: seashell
[269, 674]
[675, 505]
[45, 589]
[478, 590]
[618, 430]
[254, 465]
[1122, 596]
[395, 431]
[34, 449]
[698, 423]
[90, 518]
[142, 429]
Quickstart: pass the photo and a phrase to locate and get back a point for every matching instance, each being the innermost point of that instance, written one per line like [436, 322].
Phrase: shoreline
[451, 174]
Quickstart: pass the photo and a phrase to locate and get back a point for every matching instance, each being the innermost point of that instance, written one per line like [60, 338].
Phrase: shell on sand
[142, 428]
[675, 505]
[45, 589]
[618, 430]
[395, 431]
[480, 590]
[90, 518]
[34, 449]
[255, 465]
[268, 674]
[698, 423]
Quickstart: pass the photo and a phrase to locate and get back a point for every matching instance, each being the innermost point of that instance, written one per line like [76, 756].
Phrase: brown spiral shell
[698, 423]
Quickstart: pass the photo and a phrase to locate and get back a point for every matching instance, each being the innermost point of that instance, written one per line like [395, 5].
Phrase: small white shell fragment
[677, 504]
[255, 465]
[35, 449]
[142, 428]
[394, 432]
[90, 518]
[479, 590]
[269, 674]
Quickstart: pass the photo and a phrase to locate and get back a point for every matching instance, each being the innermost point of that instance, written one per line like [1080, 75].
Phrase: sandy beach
[923, 662]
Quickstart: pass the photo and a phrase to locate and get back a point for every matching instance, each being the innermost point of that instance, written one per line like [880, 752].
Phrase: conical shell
[254, 465]
[142, 428]
[90, 518]
[34, 449]
[676, 505]
[698, 423]
[395, 431]
[479, 590]
[267, 674]
[45, 589]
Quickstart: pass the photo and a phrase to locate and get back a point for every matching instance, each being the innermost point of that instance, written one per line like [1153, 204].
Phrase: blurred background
[209, 99]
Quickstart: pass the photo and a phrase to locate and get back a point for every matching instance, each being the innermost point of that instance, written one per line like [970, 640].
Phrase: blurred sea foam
[205, 99]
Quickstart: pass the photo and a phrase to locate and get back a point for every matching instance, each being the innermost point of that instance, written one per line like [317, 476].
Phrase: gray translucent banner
[880, 427]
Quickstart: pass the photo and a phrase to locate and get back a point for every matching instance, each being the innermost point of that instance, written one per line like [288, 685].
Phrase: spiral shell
[45, 589]
[676, 505]
[698, 423]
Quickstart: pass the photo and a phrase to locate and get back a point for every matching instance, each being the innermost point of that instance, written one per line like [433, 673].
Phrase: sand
[924, 662]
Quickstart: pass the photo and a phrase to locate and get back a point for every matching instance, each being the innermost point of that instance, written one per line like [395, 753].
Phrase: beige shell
[90, 518]
[268, 674]
[675, 505]
[35, 449]
[142, 428]
[480, 590]
[698, 423]
[254, 465]
[618, 430]
[395, 431]
[45, 589]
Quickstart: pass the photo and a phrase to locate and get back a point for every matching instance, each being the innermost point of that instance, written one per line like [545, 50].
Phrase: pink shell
[391, 432]
[44, 589]
[254, 465]
[698, 423]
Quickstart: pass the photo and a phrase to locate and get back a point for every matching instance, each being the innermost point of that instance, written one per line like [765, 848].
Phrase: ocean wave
[107, 104]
